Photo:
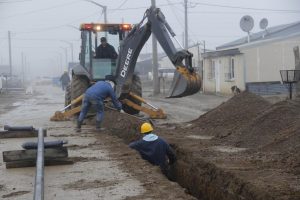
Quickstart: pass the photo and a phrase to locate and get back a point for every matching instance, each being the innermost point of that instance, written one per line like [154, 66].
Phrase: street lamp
[103, 7]
[71, 45]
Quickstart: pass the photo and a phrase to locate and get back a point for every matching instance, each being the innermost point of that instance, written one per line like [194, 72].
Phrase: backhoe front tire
[68, 95]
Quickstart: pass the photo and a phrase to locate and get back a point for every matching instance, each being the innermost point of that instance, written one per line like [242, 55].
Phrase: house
[144, 65]
[4, 72]
[255, 65]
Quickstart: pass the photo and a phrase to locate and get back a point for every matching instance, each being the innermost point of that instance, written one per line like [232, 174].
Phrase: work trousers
[86, 105]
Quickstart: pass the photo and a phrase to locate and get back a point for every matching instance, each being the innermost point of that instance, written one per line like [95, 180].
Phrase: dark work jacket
[154, 149]
[100, 91]
[108, 52]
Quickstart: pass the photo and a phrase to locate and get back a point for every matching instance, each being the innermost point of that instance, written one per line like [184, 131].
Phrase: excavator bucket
[184, 83]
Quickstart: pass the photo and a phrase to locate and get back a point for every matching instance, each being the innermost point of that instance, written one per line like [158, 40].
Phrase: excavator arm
[186, 81]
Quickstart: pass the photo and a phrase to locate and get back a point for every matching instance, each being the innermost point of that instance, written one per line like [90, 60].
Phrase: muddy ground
[104, 168]
[246, 148]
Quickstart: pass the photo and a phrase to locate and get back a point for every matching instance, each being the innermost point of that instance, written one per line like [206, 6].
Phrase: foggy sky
[39, 26]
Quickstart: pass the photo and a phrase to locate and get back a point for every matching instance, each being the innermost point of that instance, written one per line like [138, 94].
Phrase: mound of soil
[285, 148]
[231, 115]
[274, 123]
[120, 124]
[269, 168]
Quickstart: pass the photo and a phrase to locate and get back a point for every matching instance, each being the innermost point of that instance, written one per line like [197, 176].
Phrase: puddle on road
[228, 149]
[200, 137]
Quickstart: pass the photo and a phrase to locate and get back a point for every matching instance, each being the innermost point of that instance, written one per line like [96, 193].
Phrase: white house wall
[225, 84]
[263, 62]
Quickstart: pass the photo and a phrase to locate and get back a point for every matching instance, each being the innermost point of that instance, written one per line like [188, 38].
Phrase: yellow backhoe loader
[129, 40]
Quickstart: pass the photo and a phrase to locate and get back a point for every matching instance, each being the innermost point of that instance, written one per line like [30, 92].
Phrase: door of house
[217, 75]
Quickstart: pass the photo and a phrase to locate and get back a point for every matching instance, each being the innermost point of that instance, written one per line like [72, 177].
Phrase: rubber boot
[98, 126]
[78, 127]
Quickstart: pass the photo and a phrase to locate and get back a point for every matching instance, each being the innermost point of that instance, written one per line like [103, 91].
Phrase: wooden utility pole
[156, 83]
[23, 70]
[297, 67]
[186, 39]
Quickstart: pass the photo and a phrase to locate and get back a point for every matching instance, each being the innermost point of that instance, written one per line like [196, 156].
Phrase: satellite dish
[247, 23]
[263, 24]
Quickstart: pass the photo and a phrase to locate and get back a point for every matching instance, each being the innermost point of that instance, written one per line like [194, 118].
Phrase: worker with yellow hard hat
[154, 149]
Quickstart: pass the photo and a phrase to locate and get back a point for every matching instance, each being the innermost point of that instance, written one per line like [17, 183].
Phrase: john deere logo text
[126, 64]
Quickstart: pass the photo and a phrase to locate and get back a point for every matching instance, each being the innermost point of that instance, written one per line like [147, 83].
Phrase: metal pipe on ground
[18, 128]
[39, 176]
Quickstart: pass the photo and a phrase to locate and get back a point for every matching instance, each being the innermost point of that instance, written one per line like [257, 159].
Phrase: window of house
[229, 71]
[211, 70]
[231, 68]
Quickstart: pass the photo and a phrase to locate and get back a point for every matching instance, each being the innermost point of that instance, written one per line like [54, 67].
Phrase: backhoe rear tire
[79, 85]
[136, 88]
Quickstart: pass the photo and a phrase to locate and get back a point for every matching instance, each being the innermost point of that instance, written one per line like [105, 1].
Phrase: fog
[43, 29]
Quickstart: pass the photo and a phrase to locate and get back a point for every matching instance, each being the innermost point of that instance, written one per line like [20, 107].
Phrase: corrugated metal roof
[281, 31]
[220, 53]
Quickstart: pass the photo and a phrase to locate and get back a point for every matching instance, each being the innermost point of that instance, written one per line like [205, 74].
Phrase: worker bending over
[95, 95]
[154, 149]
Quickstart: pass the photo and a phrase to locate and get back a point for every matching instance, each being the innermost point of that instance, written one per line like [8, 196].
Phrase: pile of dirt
[230, 116]
[120, 124]
[270, 132]
[284, 149]
[274, 123]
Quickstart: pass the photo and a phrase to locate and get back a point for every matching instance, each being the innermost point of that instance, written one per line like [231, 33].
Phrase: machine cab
[99, 64]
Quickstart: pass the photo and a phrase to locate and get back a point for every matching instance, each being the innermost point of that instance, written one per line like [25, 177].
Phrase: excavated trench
[200, 178]
[206, 181]
[258, 171]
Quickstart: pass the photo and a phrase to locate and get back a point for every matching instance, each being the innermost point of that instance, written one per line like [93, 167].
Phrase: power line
[236, 13]
[122, 4]
[174, 13]
[142, 7]
[244, 8]
[177, 18]
[8, 2]
[41, 10]
[54, 27]
[44, 39]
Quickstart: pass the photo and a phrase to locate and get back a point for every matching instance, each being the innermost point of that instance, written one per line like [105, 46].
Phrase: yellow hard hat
[146, 128]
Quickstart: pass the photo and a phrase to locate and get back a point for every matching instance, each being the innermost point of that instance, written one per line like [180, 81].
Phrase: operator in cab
[155, 150]
[105, 50]
[94, 96]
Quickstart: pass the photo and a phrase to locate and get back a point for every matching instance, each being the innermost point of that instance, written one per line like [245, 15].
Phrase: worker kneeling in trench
[155, 150]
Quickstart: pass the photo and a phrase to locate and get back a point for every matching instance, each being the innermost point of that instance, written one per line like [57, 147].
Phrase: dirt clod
[83, 184]
[14, 194]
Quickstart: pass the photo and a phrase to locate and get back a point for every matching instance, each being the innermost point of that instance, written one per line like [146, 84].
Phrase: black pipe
[50, 144]
[18, 128]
